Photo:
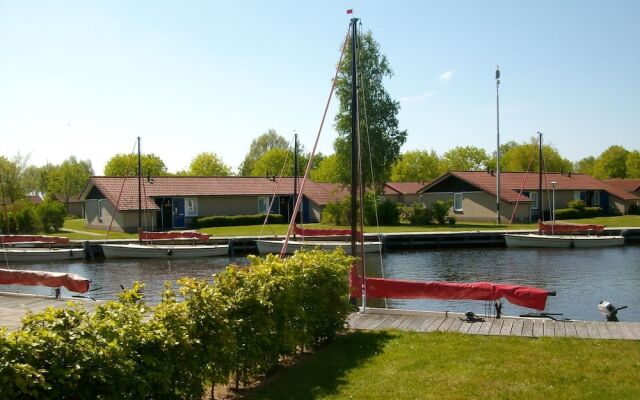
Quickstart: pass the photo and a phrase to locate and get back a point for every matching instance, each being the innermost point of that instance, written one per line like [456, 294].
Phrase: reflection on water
[581, 277]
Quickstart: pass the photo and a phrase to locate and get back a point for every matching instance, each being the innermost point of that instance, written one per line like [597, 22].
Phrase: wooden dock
[419, 321]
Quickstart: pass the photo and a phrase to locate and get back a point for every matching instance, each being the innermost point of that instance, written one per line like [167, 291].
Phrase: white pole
[498, 146]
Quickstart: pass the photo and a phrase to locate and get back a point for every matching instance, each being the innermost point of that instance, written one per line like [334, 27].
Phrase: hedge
[241, 324]
[572, 213]
[236, 220]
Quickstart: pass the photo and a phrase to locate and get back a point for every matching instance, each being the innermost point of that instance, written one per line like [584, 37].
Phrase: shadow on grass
[323, 372]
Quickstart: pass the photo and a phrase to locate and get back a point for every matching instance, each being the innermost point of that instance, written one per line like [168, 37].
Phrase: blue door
[177, 206]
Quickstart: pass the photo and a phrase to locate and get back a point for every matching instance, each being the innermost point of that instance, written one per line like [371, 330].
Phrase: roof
[123, 191]
[628, 185]
[403, 187]
[512, 182]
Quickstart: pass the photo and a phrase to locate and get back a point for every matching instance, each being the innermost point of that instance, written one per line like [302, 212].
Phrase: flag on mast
[350, 11]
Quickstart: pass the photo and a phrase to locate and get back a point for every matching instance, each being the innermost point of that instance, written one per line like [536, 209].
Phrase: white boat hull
[562, 241]
[134, 250]
[39, 254]
[275, 246]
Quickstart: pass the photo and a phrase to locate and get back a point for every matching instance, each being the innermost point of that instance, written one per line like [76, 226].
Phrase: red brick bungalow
[474, 194]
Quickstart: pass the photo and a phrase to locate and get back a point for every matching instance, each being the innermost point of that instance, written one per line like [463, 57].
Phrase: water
[581, 277]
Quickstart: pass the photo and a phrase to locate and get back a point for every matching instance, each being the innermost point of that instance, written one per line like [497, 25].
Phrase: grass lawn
[78, 224]
[398, 365]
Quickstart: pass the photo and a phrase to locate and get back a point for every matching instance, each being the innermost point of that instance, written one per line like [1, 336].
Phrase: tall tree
[11, 174]
[208, 164]
[69, 178]
[416, 166]
[326, 170]
[378, 116]
[260, 145]
[525, 156]
[127, 165]
[612, 163]
[465, 158]
[36, 179]
[633, 164]
[585, 166]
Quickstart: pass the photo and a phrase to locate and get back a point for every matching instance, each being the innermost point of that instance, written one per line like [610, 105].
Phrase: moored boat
[275, 246]
[40, 254]
[561, 241]
[168, 251]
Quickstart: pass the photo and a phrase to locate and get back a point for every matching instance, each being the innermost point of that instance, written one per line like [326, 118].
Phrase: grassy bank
[395, 365]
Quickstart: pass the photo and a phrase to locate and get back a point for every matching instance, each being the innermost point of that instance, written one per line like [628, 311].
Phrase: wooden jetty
[420, 321]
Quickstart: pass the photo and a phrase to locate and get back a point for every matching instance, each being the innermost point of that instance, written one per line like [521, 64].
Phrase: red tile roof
[123, 191]
[628, 185]
[403, 187]
[512, 182]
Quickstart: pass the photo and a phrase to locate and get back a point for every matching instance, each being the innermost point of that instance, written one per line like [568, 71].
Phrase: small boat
[146, 249]
[40, 254]
[168, 251]
[566, 228]
[72, 282]
[275, 246]
[561, 241]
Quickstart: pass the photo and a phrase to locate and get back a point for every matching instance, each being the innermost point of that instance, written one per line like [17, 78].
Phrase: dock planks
[417, 321]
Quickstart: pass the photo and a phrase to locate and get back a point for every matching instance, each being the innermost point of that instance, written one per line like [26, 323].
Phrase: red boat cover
[73, 282]
[322, 232]
[144, 235]
[33, 238]
[566, 229]
[524, 296]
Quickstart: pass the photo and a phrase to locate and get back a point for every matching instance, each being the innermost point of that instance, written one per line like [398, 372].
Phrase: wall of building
[480, 206]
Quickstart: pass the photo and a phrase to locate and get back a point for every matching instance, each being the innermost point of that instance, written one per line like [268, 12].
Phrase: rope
[513, 214]
[115, 210]
[273, 197]
[315, 146]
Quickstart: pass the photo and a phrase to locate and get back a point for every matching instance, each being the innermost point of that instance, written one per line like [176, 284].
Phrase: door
[178, 212]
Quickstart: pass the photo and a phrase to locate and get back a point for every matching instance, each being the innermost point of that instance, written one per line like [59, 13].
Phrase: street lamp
[553, 200]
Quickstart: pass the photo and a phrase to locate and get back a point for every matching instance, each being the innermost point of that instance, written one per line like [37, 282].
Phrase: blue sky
[85, 78]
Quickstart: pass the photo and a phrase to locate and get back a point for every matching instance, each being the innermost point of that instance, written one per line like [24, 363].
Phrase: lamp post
[553, 200]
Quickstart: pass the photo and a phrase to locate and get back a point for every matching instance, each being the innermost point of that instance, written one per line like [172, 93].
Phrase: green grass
[78, 224]
[395, 365]
[624, 221]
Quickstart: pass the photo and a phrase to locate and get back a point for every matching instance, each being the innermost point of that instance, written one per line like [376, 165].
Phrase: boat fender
[170, 252]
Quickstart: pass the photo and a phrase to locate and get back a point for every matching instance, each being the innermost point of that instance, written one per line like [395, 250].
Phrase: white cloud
[417, 99]
[446, 76]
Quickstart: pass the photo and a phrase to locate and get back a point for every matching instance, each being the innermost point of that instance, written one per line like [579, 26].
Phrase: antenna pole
[498, 146]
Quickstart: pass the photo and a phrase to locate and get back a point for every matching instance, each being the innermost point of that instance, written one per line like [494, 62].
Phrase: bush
[441, 209]
[634, 209]
[592, 212]
[577, 205]
[25, 217]
[337, 213]
[388, 211]
[236, 220]
[245, 321]
[417, 214]
[51, 214]
[567, 213]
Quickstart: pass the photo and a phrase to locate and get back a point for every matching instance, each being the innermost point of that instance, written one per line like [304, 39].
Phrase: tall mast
[498, 146]
[4, 206]
[295, 175]
[355, 126]
[139, 192]
[540, 202]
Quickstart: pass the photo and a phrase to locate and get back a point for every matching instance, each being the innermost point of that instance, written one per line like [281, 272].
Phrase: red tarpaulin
[73, 282]
[144, 235]
[523, 296]
[33, 238]
[567, 229]
[323, 232]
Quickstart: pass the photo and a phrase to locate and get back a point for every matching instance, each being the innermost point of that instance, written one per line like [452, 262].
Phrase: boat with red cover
[72, 282]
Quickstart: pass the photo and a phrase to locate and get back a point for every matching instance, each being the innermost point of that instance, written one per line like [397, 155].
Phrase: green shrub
[441, 209]
[236, 220]
[337, 213]
[417, 214]
[26, 218]
[388, 211]
[51, 214]
[634, 209]
[592, 212]
[577, 205]
[567, 213]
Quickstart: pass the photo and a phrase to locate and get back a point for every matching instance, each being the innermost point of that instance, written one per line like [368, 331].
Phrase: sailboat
[561, 235]
[145, 248]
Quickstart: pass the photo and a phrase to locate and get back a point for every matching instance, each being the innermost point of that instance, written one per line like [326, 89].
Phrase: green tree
[633, 164]
[378, 116]
[127, 165]
[585, 166]
[259, 146]
[11, 174]
[525, 156]
[465, 158]
[208, 164]
[69, 178]
[612, 163]
[271, 163]
[416, 166]
[504, 148]
[36, 179]
[326, 170]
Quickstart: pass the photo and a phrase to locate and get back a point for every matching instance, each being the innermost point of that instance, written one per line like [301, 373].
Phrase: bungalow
[474, 194]
[175, 202]
[403, 192]
[628, 185]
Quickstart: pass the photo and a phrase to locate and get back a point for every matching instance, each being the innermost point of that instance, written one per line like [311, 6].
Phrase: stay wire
[275, 191]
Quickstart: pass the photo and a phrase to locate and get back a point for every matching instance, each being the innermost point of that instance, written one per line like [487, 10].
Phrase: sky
[85, 78]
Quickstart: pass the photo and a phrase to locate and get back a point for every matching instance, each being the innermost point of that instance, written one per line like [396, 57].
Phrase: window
[457, 201]
[534, 197]
[100, 206]
[577, 195]
[191, 207]
[596, 198]
[263, 204]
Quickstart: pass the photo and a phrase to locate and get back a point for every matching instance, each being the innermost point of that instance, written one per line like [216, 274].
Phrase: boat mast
[355, 126]
[139, 193]
[4, 206]
[295, 176]
[498, 147]
[540, 202]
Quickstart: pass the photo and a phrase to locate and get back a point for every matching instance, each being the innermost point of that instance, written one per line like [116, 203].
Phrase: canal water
[580, 277]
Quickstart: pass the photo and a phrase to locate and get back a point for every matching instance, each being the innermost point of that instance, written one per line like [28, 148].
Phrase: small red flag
[350, 11]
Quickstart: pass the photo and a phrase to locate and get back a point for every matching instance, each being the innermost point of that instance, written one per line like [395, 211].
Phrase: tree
[259, 146]
[525, 156]
[585, 166]
[127, 165]
[633, 164]
[378, 116]
[271, 163]
[416, 166]
[208, 164]
[465, 158]
[612, 163]
[36, 179]
[11, 174]
[326, 170]
[69, 178]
